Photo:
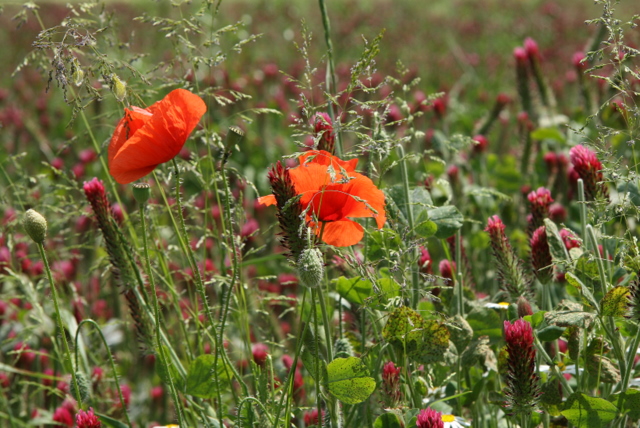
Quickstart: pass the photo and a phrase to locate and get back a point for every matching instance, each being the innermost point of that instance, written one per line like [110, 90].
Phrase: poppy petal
[267, 200]
[323, 157]
[159, 139]
[341, 233]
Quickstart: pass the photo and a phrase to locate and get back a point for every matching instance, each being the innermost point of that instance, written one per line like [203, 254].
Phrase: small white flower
[501, 305]
[452, 421]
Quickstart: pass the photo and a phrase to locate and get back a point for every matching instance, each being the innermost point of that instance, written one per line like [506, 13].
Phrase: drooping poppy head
[146, 138]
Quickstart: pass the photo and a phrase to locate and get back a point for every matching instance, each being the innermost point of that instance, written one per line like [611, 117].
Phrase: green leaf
[424, 228]
[616, 302]
[381, 242]
[556, 244]
[354, 290]
[548, 134]
[485, 322]
[110, 422]
[632, 189]
[448, 219]
[584, 291]
[588, 412]
[389, 289]
[424, 340]
[388, 420]
[629, 402]
[550, 333]
[569, 318]
[349, 381]
[201, 377]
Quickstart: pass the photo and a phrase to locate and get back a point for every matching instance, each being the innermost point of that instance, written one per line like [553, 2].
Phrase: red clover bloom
[523, 383]
[589, 169]
[429, 418]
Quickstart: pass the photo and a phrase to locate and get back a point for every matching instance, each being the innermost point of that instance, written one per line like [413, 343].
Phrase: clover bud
[35, 225]
[141, 192]
[310, 267]
[118, 87]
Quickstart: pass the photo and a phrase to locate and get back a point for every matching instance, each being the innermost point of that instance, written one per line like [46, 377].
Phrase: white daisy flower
[502, 305]
[452, 421]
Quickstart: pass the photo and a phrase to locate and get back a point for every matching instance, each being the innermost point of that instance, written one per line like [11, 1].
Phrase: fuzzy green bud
[118, 87]
[343, 348]
[141, 192]
[310, 267]
[83, 388]
[35, 225]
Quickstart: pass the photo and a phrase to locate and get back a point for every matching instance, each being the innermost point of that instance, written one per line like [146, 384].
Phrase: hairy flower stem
[583, 209]
[331, 80]
[111, 362]
[161, 352]
[415, 278]
[317, 296]
[58, 317]
[554, 368]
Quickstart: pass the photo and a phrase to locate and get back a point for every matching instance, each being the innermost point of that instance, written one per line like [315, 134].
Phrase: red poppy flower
[145, 138]
[331, 194]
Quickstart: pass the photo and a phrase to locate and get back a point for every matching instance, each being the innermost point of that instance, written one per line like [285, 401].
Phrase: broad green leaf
[616, 302]
[547, 134]
[349, 381]
[569, 318]
[388, 420]
[110, 422]
[381, 242]
[550, 333]
[354, 290]
[588, 412]
[556, 244]
[583, 289]
[448, 219]
[486, 322]
[201, 378]
[632, 189]
[389, 289]
[424, 340]
[424, 227]
[629, 402]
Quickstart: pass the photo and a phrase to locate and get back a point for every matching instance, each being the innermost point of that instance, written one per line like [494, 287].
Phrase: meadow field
[358, 213]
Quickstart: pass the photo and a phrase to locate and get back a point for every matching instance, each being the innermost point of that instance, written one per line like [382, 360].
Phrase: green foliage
[201, 381]
[349, 381]
[588, 412]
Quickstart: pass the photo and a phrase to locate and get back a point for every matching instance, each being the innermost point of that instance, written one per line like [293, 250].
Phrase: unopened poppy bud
[141, 192]
[118, 87]
[35, 225]
[83, 387]
[343, 348]
[310, 267]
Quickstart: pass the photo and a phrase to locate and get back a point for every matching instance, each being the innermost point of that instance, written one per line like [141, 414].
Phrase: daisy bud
[118, 87]
[541, 260]
[523, 384]
[310, 267]
[35, 225]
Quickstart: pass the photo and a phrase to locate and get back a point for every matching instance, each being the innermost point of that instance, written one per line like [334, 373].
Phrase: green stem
[111, 361]
[583, 210]
[156, 306]
[415, 278]
[331, 81]
[58, 317]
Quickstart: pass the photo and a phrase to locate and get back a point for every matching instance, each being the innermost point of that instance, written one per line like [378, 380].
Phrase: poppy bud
[141, 192]
[343, 348]
[35, 225]
[118, 87]
[310, 267]
[83, 387]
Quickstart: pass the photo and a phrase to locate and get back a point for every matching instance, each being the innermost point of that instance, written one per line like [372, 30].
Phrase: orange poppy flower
[146, 138]
[331, 194]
